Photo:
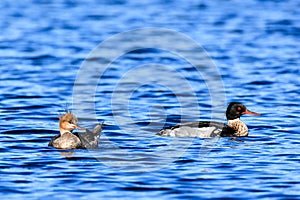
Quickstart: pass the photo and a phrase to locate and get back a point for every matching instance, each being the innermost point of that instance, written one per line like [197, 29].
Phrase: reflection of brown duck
[67, 140]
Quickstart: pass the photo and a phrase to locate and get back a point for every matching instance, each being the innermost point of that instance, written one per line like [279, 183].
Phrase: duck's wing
[90, 139]
[204, 129]
[50, 144]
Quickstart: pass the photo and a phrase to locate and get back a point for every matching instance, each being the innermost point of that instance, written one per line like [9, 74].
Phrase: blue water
[254, 47]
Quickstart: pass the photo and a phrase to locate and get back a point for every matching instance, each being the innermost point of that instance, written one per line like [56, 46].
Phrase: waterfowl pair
[205, 129]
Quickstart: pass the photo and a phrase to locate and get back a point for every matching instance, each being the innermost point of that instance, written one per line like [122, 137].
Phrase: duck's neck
[63, 131]
[239, 126]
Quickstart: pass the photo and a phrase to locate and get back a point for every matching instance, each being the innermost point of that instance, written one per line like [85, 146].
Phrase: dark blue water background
[255, 46]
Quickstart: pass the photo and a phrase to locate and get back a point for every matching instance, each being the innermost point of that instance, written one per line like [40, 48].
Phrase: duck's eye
[239, 108]
[70, 122]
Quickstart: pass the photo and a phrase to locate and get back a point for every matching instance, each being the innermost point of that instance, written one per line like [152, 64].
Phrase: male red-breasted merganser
[206, 129]
[67, 140]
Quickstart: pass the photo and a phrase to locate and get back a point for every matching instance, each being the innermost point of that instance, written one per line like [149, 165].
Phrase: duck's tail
[98, 129]
[90, 139]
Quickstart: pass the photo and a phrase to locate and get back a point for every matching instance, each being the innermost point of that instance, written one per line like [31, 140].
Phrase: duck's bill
[248, 112]
[80, 128]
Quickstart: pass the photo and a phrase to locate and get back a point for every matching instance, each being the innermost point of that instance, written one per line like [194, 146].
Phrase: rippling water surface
[254, 46]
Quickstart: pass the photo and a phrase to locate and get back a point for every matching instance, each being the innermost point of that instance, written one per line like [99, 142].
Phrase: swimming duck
[207, 129]
[67, 140]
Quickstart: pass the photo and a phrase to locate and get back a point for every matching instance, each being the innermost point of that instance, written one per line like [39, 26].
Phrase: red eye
[239, 108]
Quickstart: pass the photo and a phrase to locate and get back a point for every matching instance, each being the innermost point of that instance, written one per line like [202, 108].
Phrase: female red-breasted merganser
[206, 129]
[67, 140]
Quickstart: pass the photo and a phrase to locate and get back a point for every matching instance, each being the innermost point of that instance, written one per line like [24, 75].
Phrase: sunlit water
[255, 46]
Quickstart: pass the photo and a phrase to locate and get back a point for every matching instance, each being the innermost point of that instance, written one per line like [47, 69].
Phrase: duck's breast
[67, 141]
